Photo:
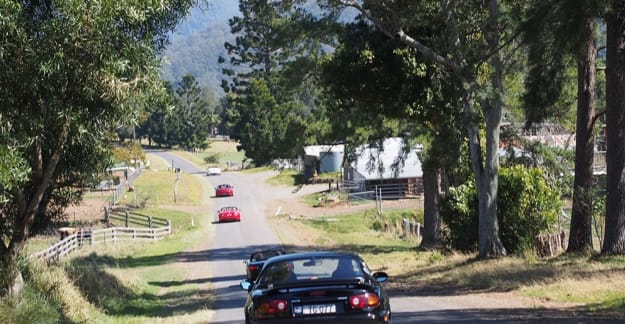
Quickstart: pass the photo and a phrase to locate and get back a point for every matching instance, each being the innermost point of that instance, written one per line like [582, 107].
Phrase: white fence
[123, 186]
[85, 236]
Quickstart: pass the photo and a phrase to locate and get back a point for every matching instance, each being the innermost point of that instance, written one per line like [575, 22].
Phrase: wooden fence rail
[133, 218]
[85, 236]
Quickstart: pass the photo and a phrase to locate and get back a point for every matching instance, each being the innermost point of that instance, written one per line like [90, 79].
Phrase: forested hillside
[198, 42]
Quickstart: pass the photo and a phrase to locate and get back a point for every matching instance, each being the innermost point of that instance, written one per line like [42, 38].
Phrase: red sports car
[224, 190]
[229, 214]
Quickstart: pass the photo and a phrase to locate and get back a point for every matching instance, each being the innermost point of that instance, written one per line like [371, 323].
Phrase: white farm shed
[387, 166]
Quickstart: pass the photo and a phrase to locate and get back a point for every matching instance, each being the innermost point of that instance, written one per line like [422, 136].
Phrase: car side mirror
[246, 285]
[380, 276]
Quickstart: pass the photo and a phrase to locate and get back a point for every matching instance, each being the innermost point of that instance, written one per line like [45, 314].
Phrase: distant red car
[229, 214]
[224, 190]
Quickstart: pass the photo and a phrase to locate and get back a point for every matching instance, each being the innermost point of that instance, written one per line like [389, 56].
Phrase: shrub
[459, 214]
[212, 158]
[526, 207]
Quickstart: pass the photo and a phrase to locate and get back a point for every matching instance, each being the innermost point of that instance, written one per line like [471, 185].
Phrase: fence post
[106, 215]
[127, 217]
[168, 226]
[378, 200]
[149, 221]
[406, 227]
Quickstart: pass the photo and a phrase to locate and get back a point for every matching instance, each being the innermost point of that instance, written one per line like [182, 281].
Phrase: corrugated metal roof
[369, 166]
[317, 150]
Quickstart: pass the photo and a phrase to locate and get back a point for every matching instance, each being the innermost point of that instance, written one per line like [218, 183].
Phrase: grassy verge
[286, 178]
[142, 283]
[294, 178]
[127, 282]
[590, 282]
[159, 186]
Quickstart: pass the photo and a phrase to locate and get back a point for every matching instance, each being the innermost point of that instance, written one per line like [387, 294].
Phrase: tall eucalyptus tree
[558, 33]
[614, 242]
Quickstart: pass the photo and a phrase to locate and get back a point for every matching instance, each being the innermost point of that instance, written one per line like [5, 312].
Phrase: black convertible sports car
[317, 287]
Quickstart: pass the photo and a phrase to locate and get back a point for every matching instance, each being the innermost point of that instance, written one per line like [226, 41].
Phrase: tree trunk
[28, 204]
[580, 234]
[487, 181]
[488, 178]
[614, 241]
[431, 218]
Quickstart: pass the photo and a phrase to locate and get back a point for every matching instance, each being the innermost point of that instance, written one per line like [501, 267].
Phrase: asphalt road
[233, 242]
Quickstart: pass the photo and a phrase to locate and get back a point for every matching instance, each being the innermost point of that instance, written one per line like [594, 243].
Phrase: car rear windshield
[317, 268]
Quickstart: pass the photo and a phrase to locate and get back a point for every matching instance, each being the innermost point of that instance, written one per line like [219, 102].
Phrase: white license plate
[315, 309]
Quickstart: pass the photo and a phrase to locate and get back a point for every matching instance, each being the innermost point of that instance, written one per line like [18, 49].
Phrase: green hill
[197, 43]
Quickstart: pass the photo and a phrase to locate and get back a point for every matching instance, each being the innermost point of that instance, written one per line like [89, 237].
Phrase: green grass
[226, 151]
[137, 283]
[286, 178]
[159, 186]
[313, 199]
[394, 216]
[357, 232]
[257, 169]
[294, 178]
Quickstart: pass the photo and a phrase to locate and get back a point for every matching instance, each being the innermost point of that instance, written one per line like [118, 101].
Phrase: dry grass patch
[590, 282]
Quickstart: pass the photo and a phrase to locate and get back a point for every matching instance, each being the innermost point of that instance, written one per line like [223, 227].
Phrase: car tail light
[274, 306]
[253, 267]
[364, 300]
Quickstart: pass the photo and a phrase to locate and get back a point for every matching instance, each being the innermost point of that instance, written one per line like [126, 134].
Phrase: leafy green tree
[263, 124]
[159, 110]
[470, 45]
[183, 116]
[70, 68]
[374, 79]
[266, 39]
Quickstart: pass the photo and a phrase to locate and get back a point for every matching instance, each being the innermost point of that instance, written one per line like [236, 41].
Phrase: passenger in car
[346, 268]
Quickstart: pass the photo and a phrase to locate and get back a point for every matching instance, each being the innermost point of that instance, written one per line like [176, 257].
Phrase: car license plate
[315, 309]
